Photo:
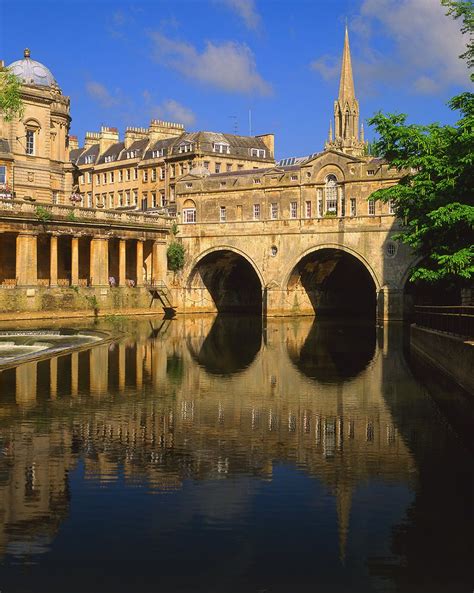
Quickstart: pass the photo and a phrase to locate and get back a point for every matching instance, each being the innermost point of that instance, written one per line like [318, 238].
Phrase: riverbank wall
[452, 354]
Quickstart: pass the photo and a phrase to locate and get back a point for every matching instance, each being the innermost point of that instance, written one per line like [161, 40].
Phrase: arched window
[331, 194]
[189, 212]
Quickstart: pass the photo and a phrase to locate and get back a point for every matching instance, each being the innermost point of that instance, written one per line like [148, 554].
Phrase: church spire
[346, 84]
[346, 110]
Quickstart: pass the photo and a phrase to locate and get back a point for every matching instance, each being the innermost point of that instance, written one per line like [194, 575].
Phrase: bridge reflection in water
[285, 455]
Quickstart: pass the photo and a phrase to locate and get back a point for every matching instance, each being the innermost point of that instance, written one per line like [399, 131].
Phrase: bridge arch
[231, 278]
[333, 278]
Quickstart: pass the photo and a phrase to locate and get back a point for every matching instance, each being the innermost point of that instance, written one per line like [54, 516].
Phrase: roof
[296, 160]
[31, 72]
[91, 151]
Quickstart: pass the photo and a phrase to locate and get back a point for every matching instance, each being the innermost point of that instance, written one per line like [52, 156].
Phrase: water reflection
[312, 456]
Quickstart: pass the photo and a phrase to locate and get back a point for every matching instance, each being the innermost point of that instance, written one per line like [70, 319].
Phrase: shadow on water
[231, 345]
[335, 349]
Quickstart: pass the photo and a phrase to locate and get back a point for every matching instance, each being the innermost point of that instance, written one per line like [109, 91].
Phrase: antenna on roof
[236, 126]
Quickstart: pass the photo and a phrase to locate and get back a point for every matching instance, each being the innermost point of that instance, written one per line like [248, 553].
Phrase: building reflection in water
[207, 399]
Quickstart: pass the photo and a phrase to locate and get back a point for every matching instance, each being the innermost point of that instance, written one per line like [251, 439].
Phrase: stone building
[141, 172]
[54, 254]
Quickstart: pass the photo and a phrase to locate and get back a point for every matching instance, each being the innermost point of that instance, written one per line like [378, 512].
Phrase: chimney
[91, 138]
[73, 143]
[269, 141]
[133, 134]
[107, 137]
[160, 130]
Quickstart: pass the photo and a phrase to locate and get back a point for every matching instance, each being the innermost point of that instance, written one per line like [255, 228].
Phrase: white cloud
[230, 66]
[101, 94]
[246, 10]
[327, 66]
[422, 53]
[174, 111]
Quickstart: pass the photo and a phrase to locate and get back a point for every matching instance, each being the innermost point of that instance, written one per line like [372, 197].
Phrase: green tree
[435, 194]
[11, 104]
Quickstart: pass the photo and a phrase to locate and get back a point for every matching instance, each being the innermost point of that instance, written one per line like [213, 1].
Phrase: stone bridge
[294, 267]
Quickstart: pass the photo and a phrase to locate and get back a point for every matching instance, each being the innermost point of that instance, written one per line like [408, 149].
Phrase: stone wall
[452, 354]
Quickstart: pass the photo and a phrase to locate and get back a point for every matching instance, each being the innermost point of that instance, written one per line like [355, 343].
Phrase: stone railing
[51, 212]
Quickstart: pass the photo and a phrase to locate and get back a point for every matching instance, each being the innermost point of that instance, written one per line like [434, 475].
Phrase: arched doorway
[231, 281]
[335, 283]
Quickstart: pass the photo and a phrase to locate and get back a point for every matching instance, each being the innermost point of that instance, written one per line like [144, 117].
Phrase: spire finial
[362, 139]
[330, 131]
[26, 53]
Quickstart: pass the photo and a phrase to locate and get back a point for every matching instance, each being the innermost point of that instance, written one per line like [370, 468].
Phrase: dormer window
[157, 153]
[109, 158]
[221, 147]
[189, 185]
[131, 154]
[185, 147]
[258, 152]
[257, 180]
[89, 159]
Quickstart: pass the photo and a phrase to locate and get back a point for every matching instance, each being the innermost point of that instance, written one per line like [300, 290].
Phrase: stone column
[26, 259]
[26, 376]
[122, 279]
[139, 262]
[160, 261]
[390, 304]
[53, 261]
[74, 261]
[53, 378]
[99, 264]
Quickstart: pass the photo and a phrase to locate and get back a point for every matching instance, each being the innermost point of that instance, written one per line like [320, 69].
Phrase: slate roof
[91, 151]
[113, 151]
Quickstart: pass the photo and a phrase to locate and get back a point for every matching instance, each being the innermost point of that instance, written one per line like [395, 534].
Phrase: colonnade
[56, 259]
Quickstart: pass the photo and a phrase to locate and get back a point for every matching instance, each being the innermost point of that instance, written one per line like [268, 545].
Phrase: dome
[31, 72]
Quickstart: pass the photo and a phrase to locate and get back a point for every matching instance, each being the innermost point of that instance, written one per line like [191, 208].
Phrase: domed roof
[31, 72]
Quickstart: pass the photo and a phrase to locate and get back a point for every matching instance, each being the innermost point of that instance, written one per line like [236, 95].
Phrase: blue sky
[206, 63]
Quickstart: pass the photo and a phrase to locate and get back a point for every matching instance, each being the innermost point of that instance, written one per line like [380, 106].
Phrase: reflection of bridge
[179, 409]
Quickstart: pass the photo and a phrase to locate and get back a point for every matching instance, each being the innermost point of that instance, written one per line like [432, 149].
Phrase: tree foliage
[435, 196]
[11, 104]
[175, 255]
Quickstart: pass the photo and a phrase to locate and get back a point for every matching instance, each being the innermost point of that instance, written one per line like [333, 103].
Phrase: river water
[222, 455]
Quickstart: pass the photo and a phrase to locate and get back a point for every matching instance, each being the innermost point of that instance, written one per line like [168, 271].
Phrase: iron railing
[453, 320]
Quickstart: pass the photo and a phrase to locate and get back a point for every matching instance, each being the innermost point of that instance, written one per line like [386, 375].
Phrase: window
[343, 206]
[120, 198]
[103, 201]
[128, 175]
[256, 211]
[111, 176]
[111, 201]
[3, 175]
[221, 147]
[97, 179]
[258, 152]
[162, 198]
[81, 180]
[157, 153]
[293, 209]
[353, 207]
[89, 200]
[391, 207]
[181, 169]
[104, 178]
[131, 154]
[55, 197]
[153, 174]
[189, 185]
[109, 158]
[185, 147]
[228, 167]
[189, 215]
[331, 194]
[171, 193]
[273, 210]
[172, 170]
[89, 177]
[294, 178]
[97, 199]
[206, 164]
[222, 214]
[240, 167]
[370, 172]
[120, 175]
[223, 183]
[135, 174]
[257, 181]
[320, 203]
[89, 159]
[307, 209]
[144, 200]
[218, 167]
[127, 198]
[134, 197]
[162, 172]
[145, 175]
[154, 203]
[371, 207]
